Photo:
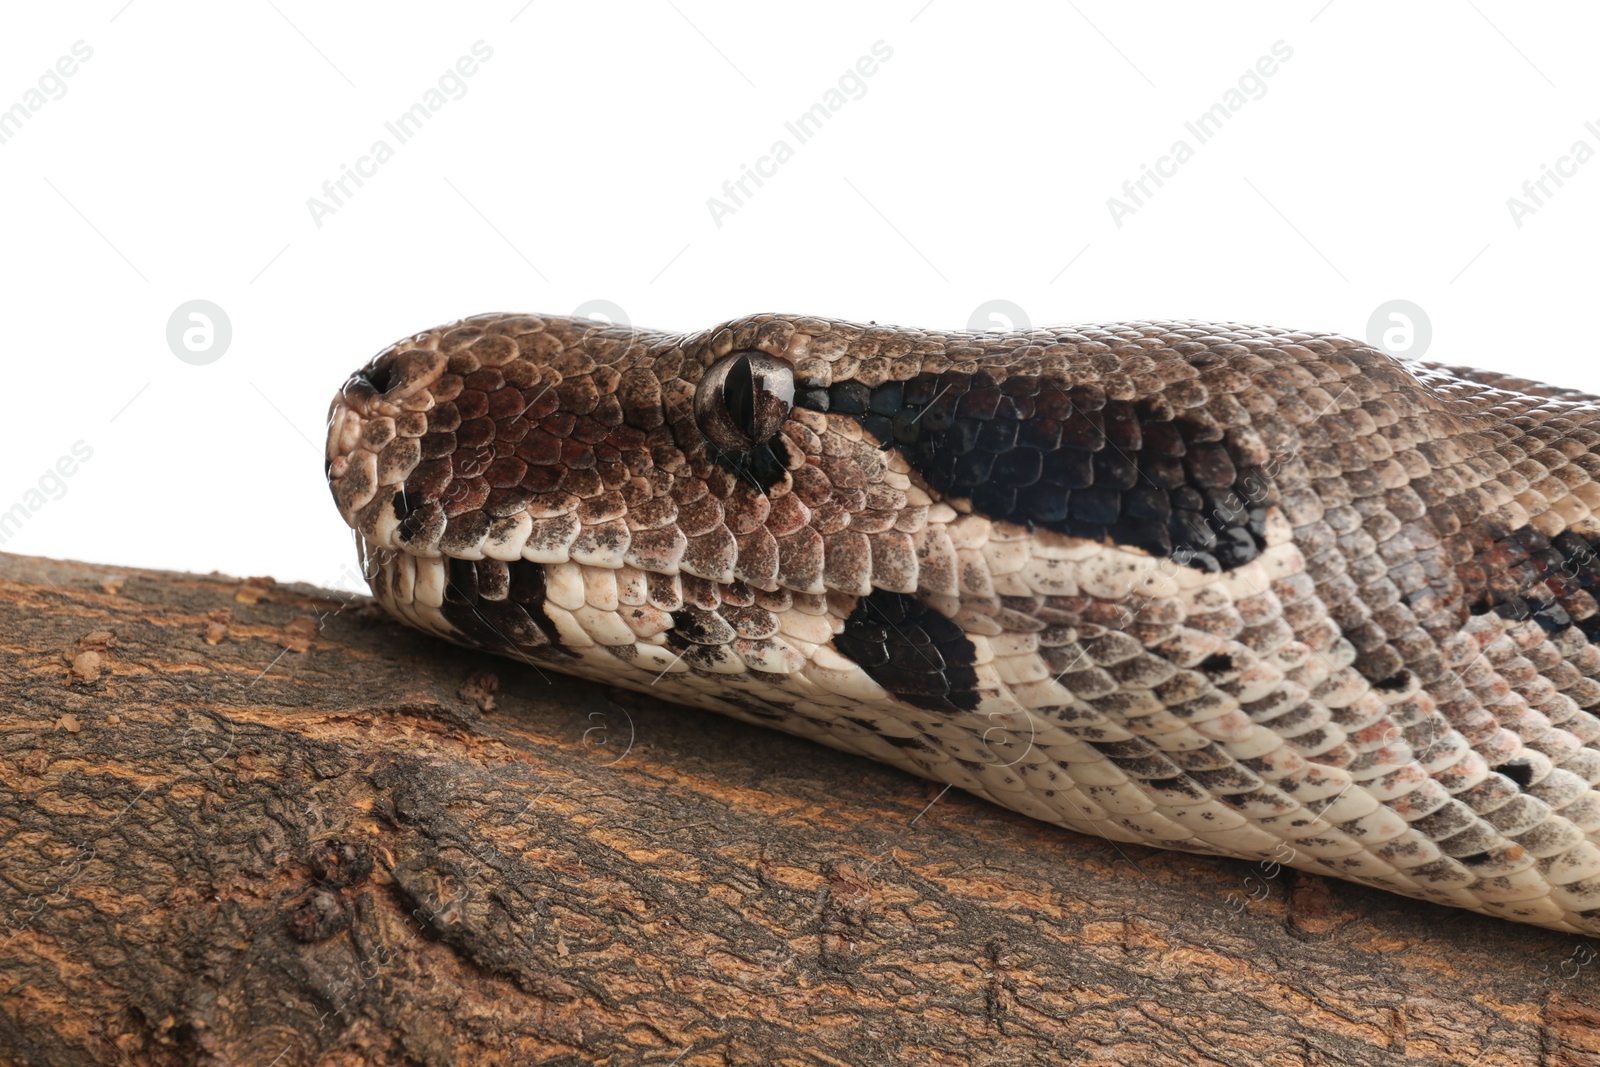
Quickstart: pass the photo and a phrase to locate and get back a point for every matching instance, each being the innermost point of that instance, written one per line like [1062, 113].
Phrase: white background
[577, 166]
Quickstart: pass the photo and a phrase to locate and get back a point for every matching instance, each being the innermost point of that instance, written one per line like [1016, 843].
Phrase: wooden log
[251, 823]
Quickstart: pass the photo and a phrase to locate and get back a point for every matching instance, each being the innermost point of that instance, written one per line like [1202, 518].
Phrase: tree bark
[251, 823]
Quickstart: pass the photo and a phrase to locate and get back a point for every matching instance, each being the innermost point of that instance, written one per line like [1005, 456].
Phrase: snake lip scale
[1227, 589]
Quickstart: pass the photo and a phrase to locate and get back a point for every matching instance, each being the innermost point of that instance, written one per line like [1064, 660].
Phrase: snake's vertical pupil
[739, 395]
[742, 400]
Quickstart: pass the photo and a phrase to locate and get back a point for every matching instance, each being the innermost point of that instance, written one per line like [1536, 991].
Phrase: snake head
[556, 440]
[756, 499]
[619, 481]
[789, 454]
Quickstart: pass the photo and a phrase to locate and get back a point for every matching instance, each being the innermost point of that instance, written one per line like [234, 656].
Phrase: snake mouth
[346, 415]
[463, 439]
[371, 410]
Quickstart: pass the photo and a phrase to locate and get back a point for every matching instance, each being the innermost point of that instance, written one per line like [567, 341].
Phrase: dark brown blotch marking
[499, 606]
[911, 650]
[1518, 770]
[1068, 459]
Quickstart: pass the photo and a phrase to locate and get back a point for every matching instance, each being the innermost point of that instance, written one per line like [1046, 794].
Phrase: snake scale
[1219, 588]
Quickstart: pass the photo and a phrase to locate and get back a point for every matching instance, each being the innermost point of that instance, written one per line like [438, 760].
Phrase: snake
[1241, 591]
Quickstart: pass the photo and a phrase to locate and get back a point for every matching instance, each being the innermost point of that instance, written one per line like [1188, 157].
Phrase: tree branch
[243, 822]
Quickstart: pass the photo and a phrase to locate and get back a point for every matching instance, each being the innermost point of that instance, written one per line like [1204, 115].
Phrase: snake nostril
[379, 377]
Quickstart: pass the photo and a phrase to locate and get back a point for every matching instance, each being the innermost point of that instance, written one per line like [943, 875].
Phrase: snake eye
[743, 399]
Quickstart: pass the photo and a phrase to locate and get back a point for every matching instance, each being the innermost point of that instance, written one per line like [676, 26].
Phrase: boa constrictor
[1241, 591]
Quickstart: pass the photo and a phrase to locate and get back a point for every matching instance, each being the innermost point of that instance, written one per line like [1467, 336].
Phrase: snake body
[1240, 591]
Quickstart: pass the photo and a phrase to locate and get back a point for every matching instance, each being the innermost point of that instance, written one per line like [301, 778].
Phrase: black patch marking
[1394, 683]
[762, 466]
[1477, 859]
[1217, 663]
[911, 650]
[1518, 770]
[1525, 575]
[1067, 459]
[515, 623]
[694, 626]
[811, 395]
[402, 507]
[893, 739]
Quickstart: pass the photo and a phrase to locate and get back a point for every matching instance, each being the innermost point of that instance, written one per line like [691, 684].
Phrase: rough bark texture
[243, 822]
